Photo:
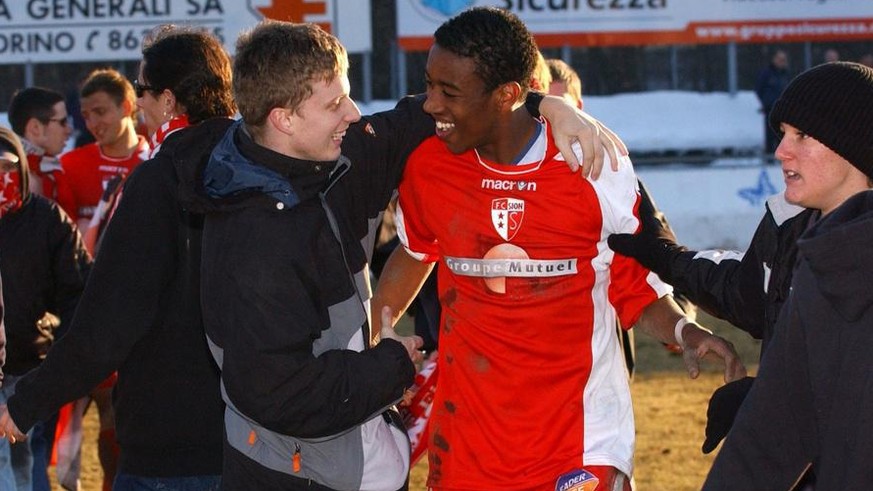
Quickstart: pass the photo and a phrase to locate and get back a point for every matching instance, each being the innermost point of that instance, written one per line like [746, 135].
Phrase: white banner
[642, 22]
[43, 31]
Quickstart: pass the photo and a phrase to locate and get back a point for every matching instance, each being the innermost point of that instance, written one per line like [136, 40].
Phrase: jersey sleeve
[632, 287]
[411, 217]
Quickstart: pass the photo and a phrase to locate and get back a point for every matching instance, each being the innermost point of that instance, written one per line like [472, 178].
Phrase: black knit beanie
[832, 103]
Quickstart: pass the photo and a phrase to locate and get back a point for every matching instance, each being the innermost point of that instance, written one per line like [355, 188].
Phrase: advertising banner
[646, 22]
[42, 31]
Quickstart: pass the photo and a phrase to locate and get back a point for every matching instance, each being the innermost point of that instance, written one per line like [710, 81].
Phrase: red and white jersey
[532, 383]
[88, 170]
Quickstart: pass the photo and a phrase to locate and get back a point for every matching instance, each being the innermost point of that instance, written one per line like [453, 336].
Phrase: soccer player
[532, 391]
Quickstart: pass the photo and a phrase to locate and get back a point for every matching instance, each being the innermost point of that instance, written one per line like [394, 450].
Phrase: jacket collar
[239, 167]
[840, 277]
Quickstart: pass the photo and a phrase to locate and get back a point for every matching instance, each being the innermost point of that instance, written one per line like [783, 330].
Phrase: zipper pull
[295, 459]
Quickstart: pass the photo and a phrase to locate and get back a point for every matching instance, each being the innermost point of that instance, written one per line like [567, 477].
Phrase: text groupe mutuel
[47, 26]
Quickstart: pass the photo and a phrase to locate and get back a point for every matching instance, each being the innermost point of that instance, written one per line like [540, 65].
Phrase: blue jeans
[7, 477]
[21, 458]
[127, 482]
[41, 440]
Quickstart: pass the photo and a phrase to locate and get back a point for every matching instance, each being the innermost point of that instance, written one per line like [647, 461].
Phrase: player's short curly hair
[500, 45]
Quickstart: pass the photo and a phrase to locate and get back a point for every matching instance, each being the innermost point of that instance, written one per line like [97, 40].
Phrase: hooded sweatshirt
[810, 405]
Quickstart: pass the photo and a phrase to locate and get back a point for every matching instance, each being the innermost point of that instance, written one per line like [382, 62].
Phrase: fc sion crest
[506, 216]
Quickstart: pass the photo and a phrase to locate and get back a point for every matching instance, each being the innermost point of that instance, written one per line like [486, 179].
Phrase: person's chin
[794, 198]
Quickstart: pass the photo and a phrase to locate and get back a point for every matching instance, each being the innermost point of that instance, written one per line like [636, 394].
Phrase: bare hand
[8, 428]
[571, 126]
[412, 343]
[699, 343]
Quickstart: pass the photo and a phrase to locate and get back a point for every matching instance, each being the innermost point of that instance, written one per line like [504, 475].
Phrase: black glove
[723, 407]
[655, 245]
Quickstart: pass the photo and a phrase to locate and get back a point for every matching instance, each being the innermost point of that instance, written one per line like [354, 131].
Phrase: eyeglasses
[65, 121]
[141, 88]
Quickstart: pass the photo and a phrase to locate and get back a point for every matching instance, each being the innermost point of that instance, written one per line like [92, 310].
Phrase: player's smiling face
[464, 112]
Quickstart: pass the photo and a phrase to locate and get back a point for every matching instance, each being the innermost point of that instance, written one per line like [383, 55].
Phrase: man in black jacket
[284, 271]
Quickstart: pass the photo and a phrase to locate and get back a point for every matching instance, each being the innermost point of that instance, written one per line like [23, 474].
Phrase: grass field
[670, 415]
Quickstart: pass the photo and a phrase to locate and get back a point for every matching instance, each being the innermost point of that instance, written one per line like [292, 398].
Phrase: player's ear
[508, 94]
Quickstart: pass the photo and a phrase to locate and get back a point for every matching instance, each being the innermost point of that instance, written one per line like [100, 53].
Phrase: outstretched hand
[653, 246]
[574, 128]
[698, 343]
[412, 343]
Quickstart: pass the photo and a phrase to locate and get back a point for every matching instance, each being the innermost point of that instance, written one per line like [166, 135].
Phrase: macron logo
[508, 185]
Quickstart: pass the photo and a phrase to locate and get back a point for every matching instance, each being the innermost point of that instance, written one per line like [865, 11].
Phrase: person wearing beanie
[826, 154]
[808, 411]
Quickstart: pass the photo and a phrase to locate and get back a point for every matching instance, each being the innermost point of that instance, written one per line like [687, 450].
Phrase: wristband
[680, 326]
[532, 103]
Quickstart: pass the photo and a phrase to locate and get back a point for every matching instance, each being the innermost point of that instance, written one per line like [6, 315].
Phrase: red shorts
[611, 479]
[589, 478]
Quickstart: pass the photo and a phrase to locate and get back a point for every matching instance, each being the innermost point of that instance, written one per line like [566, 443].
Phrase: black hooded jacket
[140, 315]
[45, 264]
[810, 405]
